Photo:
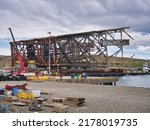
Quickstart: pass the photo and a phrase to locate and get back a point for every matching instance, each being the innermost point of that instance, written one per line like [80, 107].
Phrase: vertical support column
[12, 54]
[49, 58]
[53, 50]
[121, 48]
[106, 57]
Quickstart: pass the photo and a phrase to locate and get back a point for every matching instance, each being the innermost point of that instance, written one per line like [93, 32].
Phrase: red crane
[22, 68]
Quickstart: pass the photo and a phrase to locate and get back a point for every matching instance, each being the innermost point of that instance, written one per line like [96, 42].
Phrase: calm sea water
[137, 81]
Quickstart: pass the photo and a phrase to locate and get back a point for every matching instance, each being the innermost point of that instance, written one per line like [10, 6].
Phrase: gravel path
[99, 99]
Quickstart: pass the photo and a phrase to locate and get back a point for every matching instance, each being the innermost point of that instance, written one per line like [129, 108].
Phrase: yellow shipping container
[25, 95]
[42, 78]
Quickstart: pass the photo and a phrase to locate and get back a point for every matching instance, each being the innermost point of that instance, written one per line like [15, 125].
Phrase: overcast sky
[34, 18]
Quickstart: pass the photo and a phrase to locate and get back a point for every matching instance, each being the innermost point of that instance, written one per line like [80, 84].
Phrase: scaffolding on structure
[86, 49]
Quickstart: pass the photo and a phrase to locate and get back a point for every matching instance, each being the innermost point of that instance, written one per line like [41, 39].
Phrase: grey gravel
[98, 98]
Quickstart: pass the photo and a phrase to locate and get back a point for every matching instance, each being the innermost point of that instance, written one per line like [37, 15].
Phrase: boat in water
[138, 71]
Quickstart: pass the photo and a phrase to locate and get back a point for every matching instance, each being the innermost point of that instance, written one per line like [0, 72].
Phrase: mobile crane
[18, 74]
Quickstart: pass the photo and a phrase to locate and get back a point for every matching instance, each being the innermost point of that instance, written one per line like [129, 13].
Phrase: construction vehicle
[18, 74]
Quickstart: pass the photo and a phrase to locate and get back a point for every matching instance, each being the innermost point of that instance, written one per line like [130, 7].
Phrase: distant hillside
[129, 62]
[138, 63]
[5, 61]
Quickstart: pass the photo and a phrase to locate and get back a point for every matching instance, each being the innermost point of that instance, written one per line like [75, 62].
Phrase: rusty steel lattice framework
[78, 50]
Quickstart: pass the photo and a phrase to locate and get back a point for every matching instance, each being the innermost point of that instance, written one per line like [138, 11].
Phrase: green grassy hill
[5, 61]
[128, 62]
[115, 61]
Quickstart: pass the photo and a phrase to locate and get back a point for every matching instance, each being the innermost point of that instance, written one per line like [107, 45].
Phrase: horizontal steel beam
[72, 49]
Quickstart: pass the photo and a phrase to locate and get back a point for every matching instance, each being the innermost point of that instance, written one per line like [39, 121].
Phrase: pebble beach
[98, 98]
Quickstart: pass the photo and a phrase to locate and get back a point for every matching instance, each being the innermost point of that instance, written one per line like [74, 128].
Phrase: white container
[36, 93]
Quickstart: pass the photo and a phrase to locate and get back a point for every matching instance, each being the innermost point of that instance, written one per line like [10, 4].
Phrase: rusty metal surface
[72, 50]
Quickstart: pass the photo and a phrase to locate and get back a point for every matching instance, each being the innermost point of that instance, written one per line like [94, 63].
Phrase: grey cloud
[66, 16]
[34, 18]
[109, 13]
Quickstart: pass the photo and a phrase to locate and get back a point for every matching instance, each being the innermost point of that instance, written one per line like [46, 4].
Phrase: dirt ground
[98, 98]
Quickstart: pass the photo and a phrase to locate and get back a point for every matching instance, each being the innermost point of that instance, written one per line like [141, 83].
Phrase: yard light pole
[49, 56]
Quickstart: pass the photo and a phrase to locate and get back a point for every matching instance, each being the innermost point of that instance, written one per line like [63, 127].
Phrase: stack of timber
[74, 101]
[58, 100]
[57, 107]
[61, 109]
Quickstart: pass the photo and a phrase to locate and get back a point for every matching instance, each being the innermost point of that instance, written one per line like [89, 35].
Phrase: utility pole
[49, 56]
